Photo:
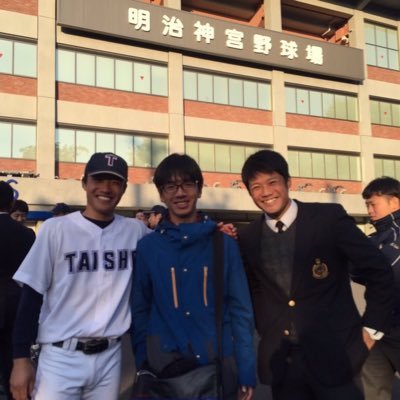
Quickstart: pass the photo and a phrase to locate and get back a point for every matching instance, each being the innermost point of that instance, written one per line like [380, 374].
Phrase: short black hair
[384, 185]
[6, 196]
[264, 161]
[20, 205]
[177, 166]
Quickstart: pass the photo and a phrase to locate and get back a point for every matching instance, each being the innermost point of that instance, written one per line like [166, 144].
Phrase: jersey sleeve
[37, 268]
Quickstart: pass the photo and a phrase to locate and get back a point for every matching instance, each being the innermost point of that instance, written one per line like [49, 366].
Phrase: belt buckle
[94, 346]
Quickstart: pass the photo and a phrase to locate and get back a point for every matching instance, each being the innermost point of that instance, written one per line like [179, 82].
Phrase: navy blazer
[320, 304]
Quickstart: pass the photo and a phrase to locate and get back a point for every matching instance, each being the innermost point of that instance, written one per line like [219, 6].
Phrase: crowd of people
[90, 276]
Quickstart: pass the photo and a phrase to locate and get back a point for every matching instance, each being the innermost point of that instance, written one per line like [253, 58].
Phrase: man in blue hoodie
[173, 302]
[382, 198]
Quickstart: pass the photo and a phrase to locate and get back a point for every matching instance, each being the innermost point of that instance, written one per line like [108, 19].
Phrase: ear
[83, 183]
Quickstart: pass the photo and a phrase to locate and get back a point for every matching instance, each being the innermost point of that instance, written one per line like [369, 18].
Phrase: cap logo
[110, 159]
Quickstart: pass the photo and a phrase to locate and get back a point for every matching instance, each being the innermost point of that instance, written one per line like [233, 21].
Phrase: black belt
[91, 346]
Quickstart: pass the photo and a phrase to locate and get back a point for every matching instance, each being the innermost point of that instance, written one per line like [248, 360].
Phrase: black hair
[20, 205]
[177, 166]
[6, 196]
[264, 161]
[384, 185]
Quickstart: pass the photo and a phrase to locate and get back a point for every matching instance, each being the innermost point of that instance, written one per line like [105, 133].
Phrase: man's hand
[229, 229]
[368, 341]
[22, 379]
[245, 393]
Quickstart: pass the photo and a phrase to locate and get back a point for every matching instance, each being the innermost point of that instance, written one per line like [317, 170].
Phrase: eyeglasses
[187, 186]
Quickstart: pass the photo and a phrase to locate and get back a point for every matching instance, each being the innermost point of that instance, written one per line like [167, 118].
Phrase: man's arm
[24, 335]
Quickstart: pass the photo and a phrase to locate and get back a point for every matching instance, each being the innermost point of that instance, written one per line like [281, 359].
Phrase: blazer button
[286, 332]
[292, 303]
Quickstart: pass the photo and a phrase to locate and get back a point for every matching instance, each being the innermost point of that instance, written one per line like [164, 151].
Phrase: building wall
[48, 103]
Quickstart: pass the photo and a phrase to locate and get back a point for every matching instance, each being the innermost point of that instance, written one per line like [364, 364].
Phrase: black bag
[184, 379]
[200, 383]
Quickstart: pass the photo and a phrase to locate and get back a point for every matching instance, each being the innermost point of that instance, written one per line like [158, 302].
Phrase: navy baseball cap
[107, 163]
[157, 209]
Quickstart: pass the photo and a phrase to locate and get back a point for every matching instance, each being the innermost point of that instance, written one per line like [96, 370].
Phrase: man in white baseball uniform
[77, 276]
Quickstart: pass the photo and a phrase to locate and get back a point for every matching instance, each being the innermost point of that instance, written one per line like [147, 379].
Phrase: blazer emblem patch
[319, 269]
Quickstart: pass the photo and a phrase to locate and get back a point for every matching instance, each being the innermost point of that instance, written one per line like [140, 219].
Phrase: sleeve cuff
[376, 335]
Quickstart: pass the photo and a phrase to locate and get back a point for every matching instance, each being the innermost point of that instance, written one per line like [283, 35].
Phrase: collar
[287, 218]
[385, 223]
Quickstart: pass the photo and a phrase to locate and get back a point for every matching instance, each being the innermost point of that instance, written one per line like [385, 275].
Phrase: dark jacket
[387, 239]
[319, 306]
[173, 299]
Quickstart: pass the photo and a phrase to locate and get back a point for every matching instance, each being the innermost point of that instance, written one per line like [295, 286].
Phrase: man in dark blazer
[15, 242]
[313, 341]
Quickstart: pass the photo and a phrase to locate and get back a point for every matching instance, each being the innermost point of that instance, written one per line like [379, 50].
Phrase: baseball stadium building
[318, 81]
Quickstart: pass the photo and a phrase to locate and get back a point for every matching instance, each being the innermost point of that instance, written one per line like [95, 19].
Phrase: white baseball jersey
[85, 275]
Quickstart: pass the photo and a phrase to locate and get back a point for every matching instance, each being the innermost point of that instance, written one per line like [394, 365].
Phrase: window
[381, 46]
[387, 167]
[313, 164]
[18, 58]
[219, 89]
[111, 73]
[321, 104]
[219, 157]
[17, 140]
[77, 145]
[385, 113]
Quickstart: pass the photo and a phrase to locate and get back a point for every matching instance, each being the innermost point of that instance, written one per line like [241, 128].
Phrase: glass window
[396, 114]
[192, 149]
[305, 164]
[371, 54]
[352, 109]
[382, 57]
[393, 59]
[264, 96]
[24, 141]
[141, 78]
[124, 75]
[380, 32]
[340, 106]
[385, 113]
[142, 151]
[85, 146]
[331, 166]
[6, 56]
[85, 70]
[221, 89]
[124, 147]
[65, 66]
[105, 142]
[222, 158]
[369, 33]
[392, 39]
[205, 88]
[328, 105]
[355, 169]
[388, 167]
[378, 165]
[397, 168]
[235, 92]
[65, 145]
[25, 59]
[104, 72]
[237, 158]
[293, 161]
[250, 94]
[343, 167]
[190, 85]
[290, 99]
[316, 103]
[5, 140]
[375, 112]
[159, 150]
[159, 80]
[318, 165]
[206, 156]
[302, 101]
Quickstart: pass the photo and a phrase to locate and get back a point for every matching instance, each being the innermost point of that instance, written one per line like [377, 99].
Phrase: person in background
[173, 302]
[19, 210]
[297, 255]
[382, 198]
[141, 216]
[15, 242]
[155, 215]
[60, 209]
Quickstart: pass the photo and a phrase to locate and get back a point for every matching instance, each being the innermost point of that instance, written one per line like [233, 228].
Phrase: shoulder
[132, 225]
[321, 209]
